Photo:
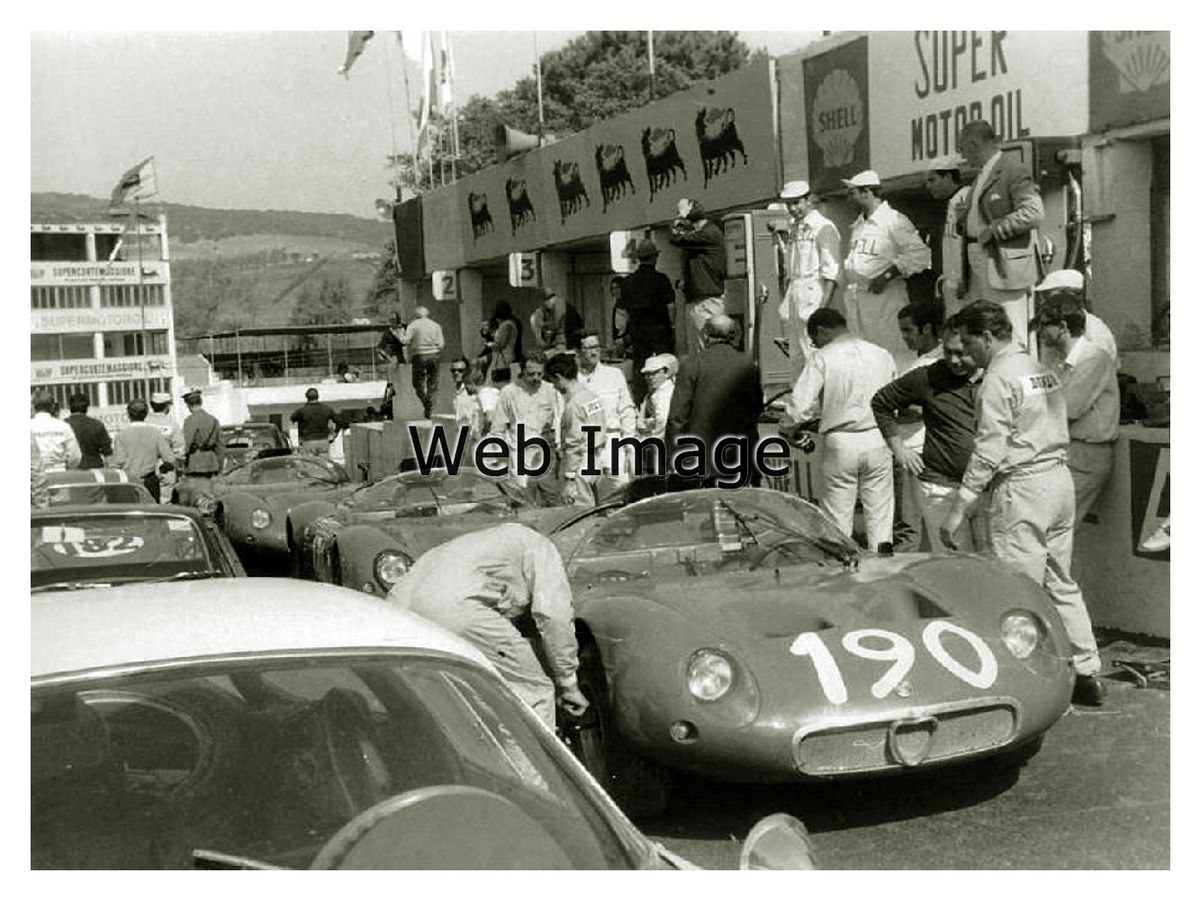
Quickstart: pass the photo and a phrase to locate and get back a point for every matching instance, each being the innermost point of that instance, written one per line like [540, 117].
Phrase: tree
[596, 76]
[384, 295]
[323, 302]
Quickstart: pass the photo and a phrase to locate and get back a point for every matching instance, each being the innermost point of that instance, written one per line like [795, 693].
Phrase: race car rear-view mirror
[779, 841]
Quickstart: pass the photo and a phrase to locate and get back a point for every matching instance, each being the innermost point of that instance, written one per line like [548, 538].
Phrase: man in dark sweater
[945, 392]
[316, 424]
[648, 301]
[94, 442]
[703, 244]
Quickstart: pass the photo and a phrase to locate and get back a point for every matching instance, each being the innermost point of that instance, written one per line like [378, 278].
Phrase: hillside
[247, 268]
[191, 224]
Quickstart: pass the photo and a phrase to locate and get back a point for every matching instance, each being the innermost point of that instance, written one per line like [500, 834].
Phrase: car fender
[304, 514]
[236, 509]
[645, 647]
[357, 546]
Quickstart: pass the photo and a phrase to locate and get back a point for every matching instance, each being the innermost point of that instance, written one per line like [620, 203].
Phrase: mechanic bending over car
[478, 584]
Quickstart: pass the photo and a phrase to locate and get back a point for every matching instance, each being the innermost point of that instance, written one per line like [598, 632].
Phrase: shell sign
[713, 142]
[1129, 77]
[837, 114]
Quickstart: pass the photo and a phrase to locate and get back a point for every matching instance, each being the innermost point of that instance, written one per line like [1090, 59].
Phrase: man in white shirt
[1094, 328]
[424, 341]
[1089, 379]
[943, 180]
[884, 250]
[659, 372]
[837, 386]
[55, 438]
[620, 415]
[532, 402]
[813, 247]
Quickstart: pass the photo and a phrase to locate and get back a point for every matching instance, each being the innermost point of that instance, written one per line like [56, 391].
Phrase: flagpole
[650, 45]
[537, 67]
[412, 140]
[449, 64]
[137, 226]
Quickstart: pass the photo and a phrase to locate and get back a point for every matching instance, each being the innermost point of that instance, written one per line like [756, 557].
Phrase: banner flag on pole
[355, 43]
[136, 184]
[430, 80]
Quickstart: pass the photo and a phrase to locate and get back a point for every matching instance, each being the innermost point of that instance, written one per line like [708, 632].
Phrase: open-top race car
[98, 545]
[371, 537]
[739, 635]
[270, 723]
[251, 440]
[253, 502]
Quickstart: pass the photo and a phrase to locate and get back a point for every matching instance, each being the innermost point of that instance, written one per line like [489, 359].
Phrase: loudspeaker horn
[510, 142]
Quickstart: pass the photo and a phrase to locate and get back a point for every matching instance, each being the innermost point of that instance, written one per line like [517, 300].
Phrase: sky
[251, 119]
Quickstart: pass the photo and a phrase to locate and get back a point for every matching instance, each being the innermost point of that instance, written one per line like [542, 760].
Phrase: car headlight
[390, 566]
[709, 675]
[207, 505]
[260, 518]
[1022, 632]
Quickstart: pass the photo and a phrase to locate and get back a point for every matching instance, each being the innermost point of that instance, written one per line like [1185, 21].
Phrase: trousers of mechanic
[479, 584]
[1021, 442]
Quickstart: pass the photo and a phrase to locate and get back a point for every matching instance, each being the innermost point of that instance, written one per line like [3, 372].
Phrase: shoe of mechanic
[1089, 691]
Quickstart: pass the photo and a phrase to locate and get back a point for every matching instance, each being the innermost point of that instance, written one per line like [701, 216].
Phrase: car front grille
[929, 735]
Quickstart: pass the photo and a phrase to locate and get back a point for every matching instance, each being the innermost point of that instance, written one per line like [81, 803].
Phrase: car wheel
[640, 786]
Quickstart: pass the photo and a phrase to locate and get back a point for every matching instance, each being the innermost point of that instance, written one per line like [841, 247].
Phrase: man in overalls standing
[1021, 444]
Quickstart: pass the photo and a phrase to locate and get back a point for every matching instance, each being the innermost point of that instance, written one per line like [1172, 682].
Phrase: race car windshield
[114, 548]
[416, 495]
[268, 759]
[286, 470]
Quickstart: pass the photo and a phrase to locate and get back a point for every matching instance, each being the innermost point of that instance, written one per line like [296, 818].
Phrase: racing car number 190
[900, 653]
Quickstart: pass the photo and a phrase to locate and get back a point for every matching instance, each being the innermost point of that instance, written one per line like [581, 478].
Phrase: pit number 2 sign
[445, 285]
[523, 270]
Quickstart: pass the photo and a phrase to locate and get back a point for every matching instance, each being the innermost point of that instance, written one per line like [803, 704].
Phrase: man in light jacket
[480, 584]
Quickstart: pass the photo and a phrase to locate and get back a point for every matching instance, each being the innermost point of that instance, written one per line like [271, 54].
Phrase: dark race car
[371, 537]
[101, 545]
[253, 502]
[80, 486]
[251, 440]
[739, 635]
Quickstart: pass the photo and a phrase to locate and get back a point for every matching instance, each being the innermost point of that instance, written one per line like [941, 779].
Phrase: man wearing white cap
[659, 372]
[884, 250]
[1071, 281]
[813, 248]
[1089, 379]
[943, 180]
[999, 224]
[160, 417]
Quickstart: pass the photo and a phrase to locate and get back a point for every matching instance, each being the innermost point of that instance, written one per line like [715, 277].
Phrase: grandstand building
[101, 314]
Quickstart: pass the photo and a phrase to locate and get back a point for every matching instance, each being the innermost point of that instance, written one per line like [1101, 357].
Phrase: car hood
[788, 601]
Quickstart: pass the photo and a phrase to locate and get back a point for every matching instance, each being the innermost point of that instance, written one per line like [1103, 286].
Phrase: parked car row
[727, 634]
[184, 716]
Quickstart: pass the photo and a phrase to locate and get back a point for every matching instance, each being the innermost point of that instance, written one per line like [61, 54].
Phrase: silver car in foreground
[267, 723]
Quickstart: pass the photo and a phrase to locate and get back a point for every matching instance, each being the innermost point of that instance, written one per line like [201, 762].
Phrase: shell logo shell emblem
[1142, 57]
[838, 116]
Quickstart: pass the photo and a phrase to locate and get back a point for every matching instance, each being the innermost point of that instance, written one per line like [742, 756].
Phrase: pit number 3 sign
[523, 270]
[889, 647]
